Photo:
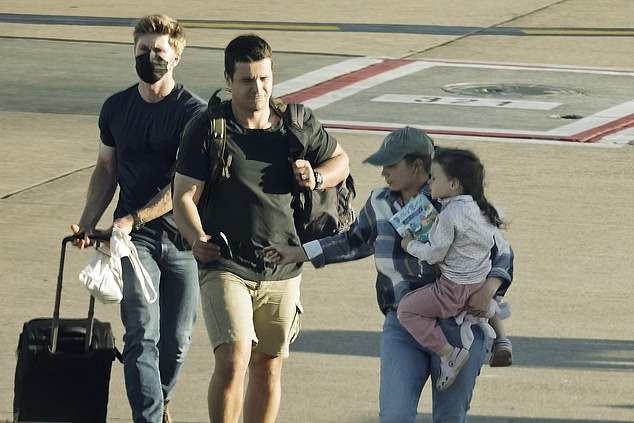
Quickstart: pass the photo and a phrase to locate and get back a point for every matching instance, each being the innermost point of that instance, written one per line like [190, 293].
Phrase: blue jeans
[157, 336]
[406, 366]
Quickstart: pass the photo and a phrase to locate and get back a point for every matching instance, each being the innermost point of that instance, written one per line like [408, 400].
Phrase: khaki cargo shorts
[268, 313]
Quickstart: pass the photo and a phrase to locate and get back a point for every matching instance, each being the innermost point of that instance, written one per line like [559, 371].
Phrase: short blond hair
[164, 25]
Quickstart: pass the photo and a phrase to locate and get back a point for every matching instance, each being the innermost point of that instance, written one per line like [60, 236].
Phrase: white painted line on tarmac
[330, 84]
[599, 144]
[390, 126]
[364, 84]
[476, 134]
[324, 74]
[588, 123]
[620, 138]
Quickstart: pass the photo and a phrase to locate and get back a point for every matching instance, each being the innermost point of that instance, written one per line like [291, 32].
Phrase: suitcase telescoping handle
[58, 294]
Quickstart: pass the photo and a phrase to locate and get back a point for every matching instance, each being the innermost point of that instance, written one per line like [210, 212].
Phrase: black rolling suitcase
[63, 368]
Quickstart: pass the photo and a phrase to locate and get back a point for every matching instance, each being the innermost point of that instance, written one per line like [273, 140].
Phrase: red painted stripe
[595, 134]
[344, 81]
[590, 136]
[452, 132]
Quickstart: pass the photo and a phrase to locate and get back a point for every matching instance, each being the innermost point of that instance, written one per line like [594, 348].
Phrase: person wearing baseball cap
[405, 156]
[400, 143]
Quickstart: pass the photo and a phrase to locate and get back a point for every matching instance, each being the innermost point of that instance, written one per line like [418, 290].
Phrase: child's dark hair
[466, 167]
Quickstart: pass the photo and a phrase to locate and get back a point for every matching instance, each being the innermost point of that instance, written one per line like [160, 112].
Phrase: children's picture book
[416, 216]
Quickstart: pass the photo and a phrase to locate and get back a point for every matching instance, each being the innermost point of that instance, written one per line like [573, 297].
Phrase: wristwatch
[319, 180]
[138, 221]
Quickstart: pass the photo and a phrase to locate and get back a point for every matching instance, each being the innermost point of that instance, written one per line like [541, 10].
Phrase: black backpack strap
[216, 147]
[295, 113]
[219, 159]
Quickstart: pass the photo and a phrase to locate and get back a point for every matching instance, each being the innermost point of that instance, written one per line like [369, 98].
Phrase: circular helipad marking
[519, 90]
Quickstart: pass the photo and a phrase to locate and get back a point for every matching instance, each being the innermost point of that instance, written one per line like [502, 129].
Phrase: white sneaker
[450, 367]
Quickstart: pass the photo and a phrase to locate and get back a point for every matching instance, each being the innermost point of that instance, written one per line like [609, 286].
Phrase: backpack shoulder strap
[218, 157]
[293, 115]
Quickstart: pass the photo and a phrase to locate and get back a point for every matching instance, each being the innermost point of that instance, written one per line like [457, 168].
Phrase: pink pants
[418, 310]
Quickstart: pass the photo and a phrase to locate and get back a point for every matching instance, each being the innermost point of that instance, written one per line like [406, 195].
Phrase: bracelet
[319, 179]
[139, 223]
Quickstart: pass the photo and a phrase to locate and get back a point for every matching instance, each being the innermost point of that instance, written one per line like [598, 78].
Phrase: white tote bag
[103, 276]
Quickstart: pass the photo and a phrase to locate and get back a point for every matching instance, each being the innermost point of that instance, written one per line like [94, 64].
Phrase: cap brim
[382, 158]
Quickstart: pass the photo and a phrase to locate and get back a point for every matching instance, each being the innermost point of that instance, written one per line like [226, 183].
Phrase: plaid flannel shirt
[397, 271]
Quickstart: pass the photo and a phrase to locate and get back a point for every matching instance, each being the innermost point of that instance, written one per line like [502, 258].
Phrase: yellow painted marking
[261, 26]
[577, 32]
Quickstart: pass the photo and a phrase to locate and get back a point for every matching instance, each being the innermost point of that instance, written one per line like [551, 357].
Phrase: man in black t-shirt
[140, 130]
[251, 307]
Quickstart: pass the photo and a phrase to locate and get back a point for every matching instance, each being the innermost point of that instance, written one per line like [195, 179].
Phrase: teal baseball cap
[399, 143]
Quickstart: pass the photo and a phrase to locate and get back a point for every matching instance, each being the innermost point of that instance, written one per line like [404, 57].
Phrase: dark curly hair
[466, 167]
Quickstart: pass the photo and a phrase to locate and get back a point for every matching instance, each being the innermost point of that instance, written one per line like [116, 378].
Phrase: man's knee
[232, 359]
[265, 366]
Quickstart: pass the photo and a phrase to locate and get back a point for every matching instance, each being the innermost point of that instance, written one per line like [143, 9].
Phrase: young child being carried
[460, 242]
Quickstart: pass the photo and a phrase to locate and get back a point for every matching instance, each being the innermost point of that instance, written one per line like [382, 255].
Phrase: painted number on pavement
[466, 101]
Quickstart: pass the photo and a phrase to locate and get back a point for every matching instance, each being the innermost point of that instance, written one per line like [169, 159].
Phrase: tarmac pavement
[569, 203]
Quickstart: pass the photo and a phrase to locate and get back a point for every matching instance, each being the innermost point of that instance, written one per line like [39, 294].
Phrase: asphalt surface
[570, 202]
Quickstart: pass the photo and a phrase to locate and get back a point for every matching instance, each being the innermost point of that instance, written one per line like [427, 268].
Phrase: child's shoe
[501, 353]
[450, 367]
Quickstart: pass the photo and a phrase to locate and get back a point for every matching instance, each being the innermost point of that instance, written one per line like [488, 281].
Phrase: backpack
[317, 213]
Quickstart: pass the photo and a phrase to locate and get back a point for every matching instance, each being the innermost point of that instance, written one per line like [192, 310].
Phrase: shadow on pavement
[487, 419]
[588, 354]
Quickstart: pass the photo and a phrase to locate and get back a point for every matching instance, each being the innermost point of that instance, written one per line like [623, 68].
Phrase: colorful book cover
[416, 216]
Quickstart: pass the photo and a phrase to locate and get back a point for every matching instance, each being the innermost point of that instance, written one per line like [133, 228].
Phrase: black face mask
[151, 67]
